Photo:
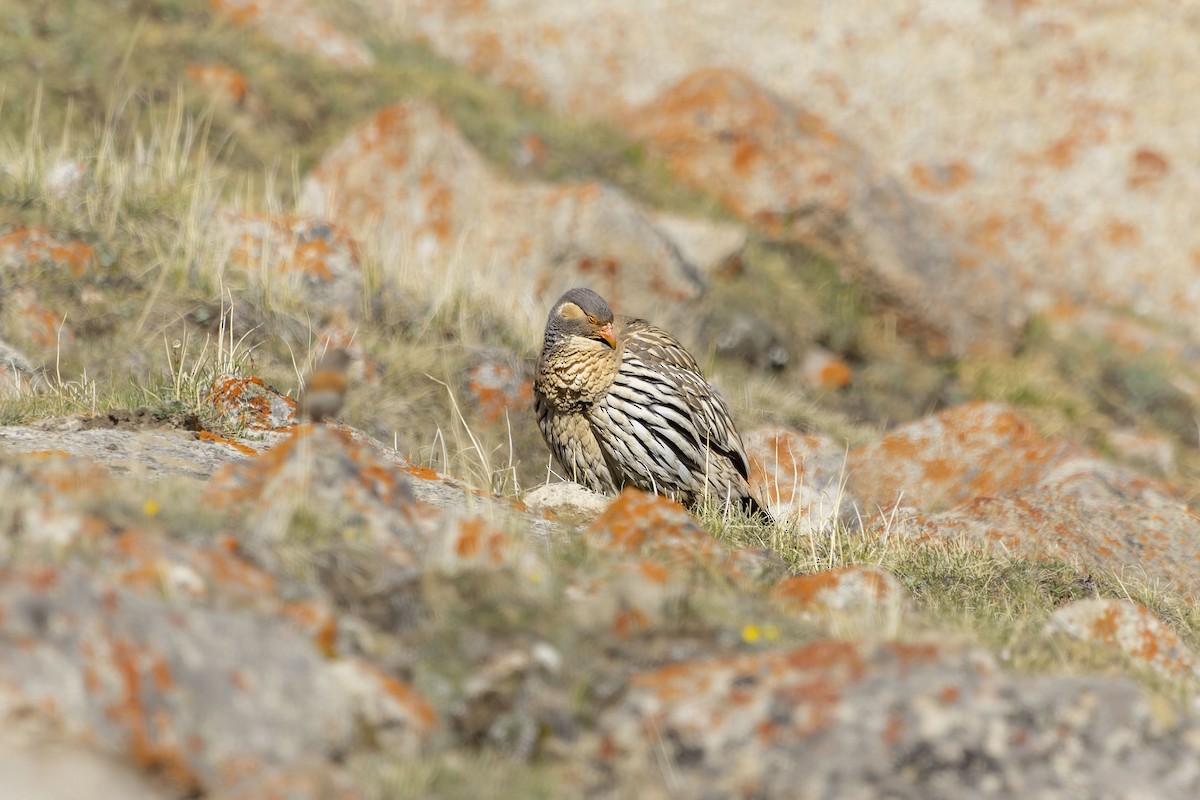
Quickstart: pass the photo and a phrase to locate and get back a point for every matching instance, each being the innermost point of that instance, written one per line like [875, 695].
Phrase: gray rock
[66, 771]
[567, 499]
[206, 698]
[857, 721]
[140, 453]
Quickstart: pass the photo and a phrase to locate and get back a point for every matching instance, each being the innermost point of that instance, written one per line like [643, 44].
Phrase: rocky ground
[937, 256]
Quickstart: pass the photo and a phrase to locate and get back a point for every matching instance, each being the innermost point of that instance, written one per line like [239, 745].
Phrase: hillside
[967, 399]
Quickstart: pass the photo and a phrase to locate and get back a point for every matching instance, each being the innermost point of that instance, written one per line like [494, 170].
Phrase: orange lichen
[148, 743]
[835, 374]
[944, 179]
[629, 620]
[1119, 233]
[209, 436]
[423, 714]
[220, 79]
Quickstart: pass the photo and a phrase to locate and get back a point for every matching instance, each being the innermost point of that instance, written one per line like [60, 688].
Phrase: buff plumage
[620, 403]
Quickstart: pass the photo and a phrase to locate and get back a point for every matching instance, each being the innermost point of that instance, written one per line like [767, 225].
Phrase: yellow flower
[751, 634]
[150, 508]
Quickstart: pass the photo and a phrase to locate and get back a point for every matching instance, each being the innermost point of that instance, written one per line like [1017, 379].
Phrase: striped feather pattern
[643, 416]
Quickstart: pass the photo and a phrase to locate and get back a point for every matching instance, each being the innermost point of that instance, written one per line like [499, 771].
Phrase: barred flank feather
[639, 413]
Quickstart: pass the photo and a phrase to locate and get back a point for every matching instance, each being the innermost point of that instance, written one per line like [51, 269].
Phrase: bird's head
[580, 313]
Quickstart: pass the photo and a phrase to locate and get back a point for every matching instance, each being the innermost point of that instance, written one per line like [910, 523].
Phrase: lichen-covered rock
[1085, 511]
[852, 720]
[24, 248]
[653, 526]
[249, 404]
[294, 256]
[787, 170]
[629, 598]
[1130, 628]
[498, 386]
[1071, 181]
[206, 698]
[802, 477]
[296, 25]
[324, 470]
[822, 369]
[43, 490]
[34, 323]
[969, 451]
[152, 452]
[355, 519]
[408, 179]
[854, 597]
[980, 473]
[53, 770]
[715, 248]
[222, 82]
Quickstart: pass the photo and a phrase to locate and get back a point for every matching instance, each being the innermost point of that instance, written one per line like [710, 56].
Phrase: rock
[1056, 191]
[1152, 452]
[801, 476]
[26, 248]
[715, 248]
[37, 324]
[143, 453]
[249, 404]
[406, 173]
[854, 720]
[297, 26]
[653, 526]
[560, 236]
[287, 256]
[789, 172]
[331, 500]
[408, 181]
[748, 338]
[221, 82]
[17, 374]
[996, 482]
[325, 471]
[966, 452]
[851, 598]
[205, 698]
[65, 178]
[498, 386]
[1130, 628]
[43, 494]
[629, 599]
[821, 369]
[567, 499]
[62, 771]
[1086, 511]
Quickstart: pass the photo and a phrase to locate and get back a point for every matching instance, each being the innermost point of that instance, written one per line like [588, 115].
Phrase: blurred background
[854, 213]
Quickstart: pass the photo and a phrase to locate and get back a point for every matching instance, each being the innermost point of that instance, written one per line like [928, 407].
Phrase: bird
[324, 390]
[620, 402]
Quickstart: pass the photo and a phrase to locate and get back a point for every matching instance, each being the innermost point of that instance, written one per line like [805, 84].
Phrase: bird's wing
[713, 421]
[654, 345]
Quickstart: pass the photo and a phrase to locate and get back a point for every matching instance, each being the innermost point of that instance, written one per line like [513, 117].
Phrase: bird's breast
[573, 378]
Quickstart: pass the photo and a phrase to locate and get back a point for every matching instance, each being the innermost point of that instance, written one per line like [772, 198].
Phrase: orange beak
[606, 333]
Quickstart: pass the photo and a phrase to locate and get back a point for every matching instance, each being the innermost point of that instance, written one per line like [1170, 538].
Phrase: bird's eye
[591, 320]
